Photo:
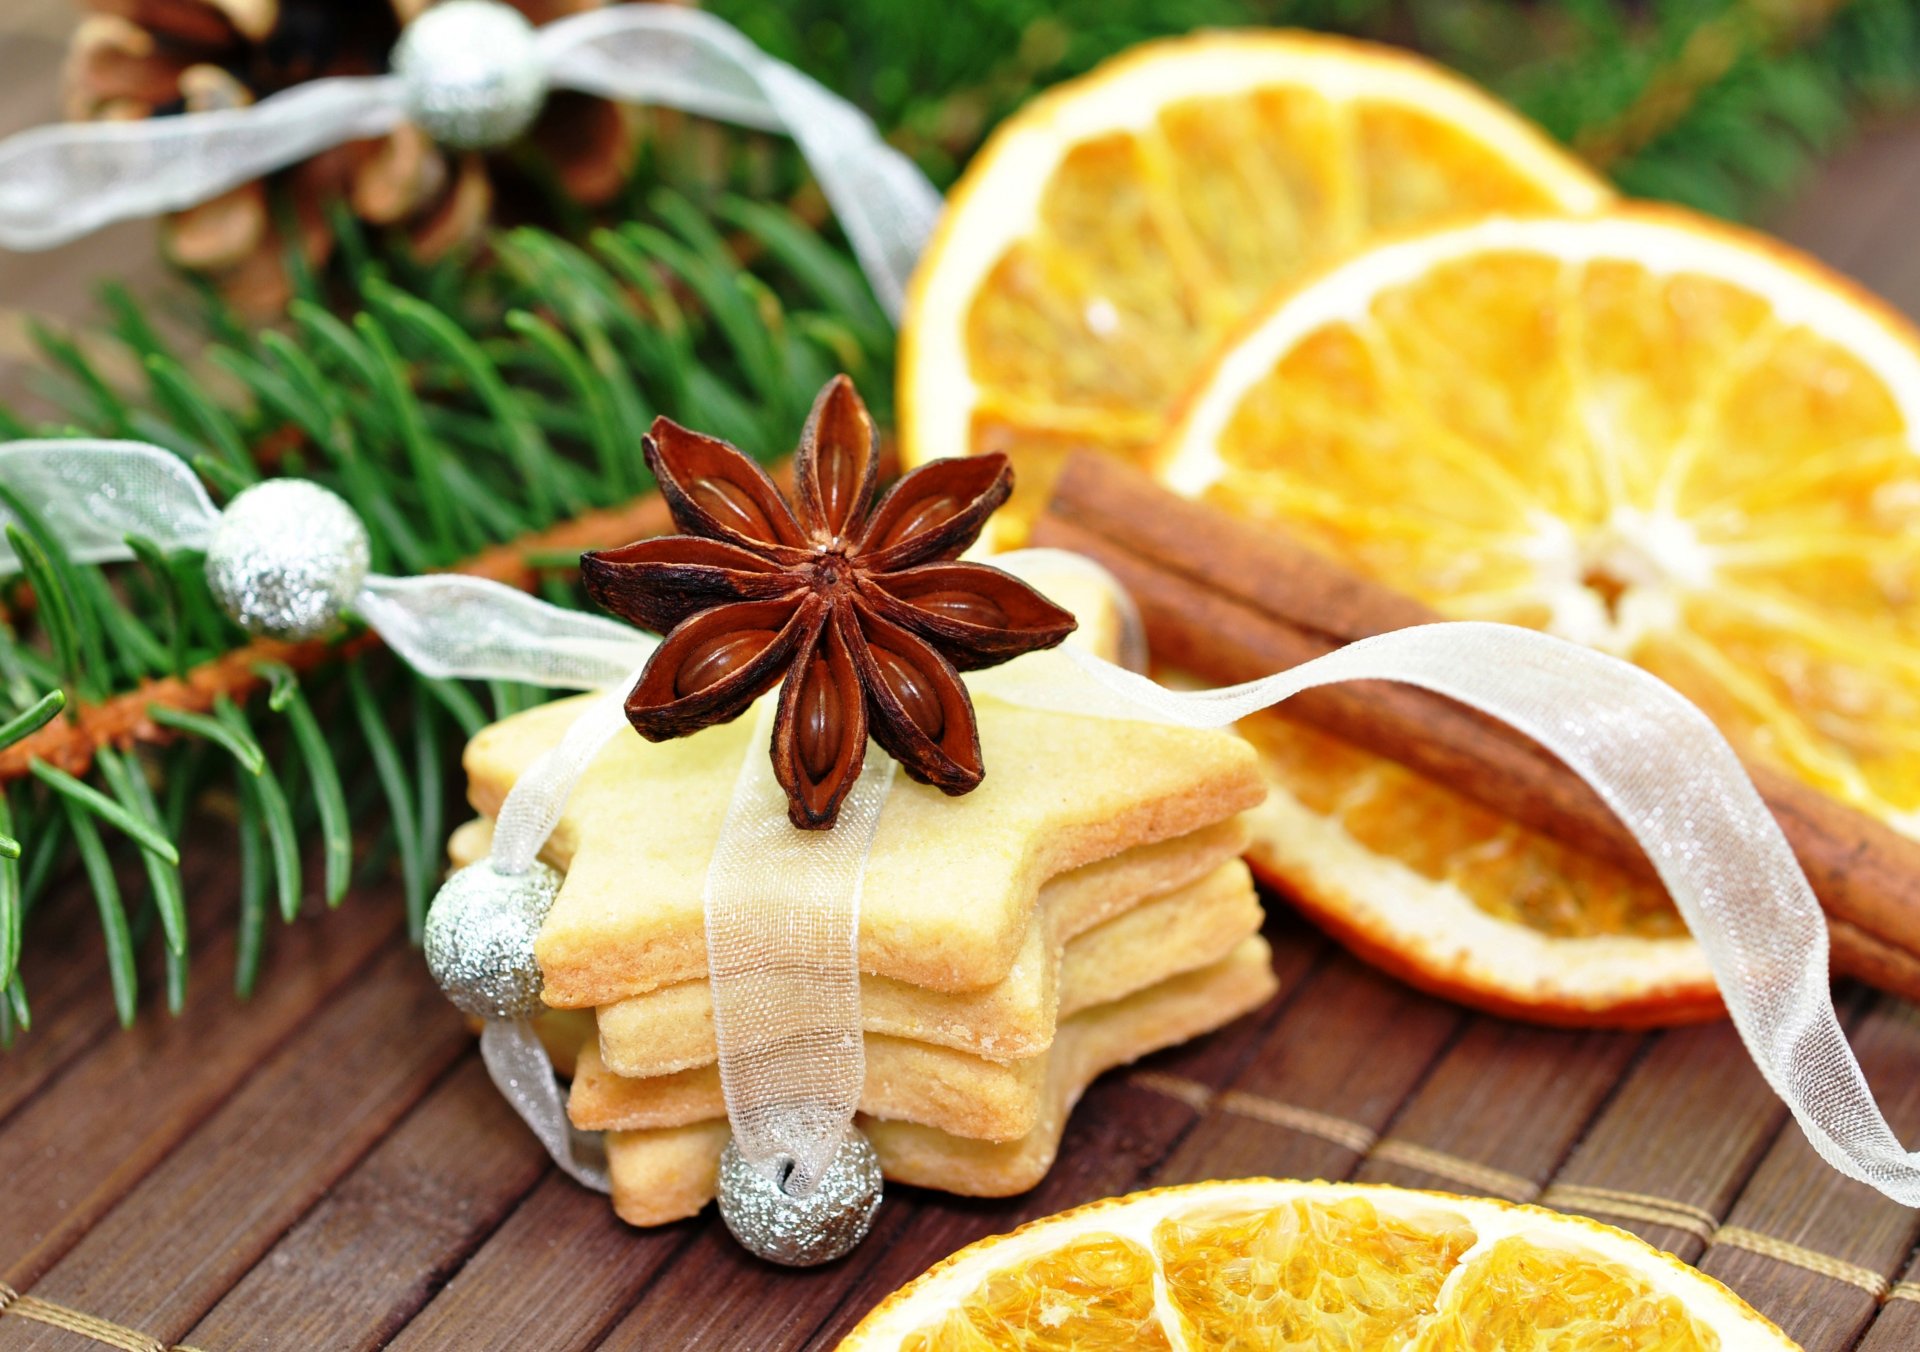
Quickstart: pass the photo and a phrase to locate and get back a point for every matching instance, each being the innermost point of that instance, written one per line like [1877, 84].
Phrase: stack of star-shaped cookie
[1084, 906]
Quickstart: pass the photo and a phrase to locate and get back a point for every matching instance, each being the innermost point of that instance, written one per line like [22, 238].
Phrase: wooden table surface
[328, 1167]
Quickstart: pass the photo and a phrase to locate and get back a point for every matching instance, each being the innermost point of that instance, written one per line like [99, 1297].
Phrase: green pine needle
[270, 802]
[239, 743]
[93, 805]
[330, 799]
[106, 896]
[32, 718]
[130, 788]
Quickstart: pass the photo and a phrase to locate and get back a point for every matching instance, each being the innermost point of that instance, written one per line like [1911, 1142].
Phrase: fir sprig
[472, 414]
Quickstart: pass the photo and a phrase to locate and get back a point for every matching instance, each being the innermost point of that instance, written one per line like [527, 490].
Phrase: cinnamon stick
[1230, 602]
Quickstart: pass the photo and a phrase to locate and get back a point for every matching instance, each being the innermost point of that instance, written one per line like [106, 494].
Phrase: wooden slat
[1897, 1327]
[1795, 1198]
[82, 1143]
[1682, 1135]
[65, 971]
[556, 1275]
[201, 1218]
[1340, 1059]
[65, 968]
[390, 1232]
[1500, 1110]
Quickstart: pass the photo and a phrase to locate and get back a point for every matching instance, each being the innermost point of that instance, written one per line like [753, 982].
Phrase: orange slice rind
[1108, 234]
[1641, 430]
[1278, 1263]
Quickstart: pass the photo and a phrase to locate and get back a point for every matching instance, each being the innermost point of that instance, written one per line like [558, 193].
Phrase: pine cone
[151, 58]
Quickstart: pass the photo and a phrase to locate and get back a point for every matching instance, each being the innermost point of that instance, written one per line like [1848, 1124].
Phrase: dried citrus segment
[1092, 1294]
[1314, 1267]
[1508, 872]
[1529, 1297]
[1460, 901]
[1110, 233]
[1305, 1274]
[1639, 430]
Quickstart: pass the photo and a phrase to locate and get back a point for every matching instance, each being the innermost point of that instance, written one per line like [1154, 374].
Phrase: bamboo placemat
[327, 1166]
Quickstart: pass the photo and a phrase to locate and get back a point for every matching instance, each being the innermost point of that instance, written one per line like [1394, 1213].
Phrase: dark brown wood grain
[1795, 1196]
[392, 1231]
[1504, 1098]
[295, 1122]
[1350, 1045]
[65, 970]
[1686, 1126]
[85, 1140]
[1897, 1328]
[557, 1274]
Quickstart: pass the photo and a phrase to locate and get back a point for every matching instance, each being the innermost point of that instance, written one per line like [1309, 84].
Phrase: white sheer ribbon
[684, 58]
[468, 628]
[91, 495]
[783, 957]
[539, 796]
[518, 1064]
[60, 182]
[783, 906]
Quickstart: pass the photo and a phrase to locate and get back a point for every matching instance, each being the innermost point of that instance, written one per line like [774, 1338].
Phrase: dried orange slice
[1447, 896]
[1282, 1264]
[1107, 235]
[1648, 432]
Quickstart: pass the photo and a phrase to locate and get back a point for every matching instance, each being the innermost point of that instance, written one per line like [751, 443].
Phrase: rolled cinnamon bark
[1231, 601]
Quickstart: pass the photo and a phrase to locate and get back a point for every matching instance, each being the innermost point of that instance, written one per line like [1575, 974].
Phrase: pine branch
[141, 716]
[483, 417]
[1709, 54]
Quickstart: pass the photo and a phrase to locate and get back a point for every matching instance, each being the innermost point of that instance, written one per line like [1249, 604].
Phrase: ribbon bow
[473, 73]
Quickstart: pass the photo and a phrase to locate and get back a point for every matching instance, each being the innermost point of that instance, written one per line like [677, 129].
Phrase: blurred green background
[1720, 104]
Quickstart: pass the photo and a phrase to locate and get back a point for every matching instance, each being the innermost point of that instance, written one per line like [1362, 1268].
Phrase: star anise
[863, 612]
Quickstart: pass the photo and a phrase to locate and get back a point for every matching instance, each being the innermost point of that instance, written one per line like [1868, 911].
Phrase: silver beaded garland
[479, 938]
[473, 73]
[287, 558]
[802, 1231]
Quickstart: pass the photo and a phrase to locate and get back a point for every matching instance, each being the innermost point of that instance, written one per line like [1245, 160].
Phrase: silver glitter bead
[802, 1231]
[473, 74]
[287, 558]
[480, 934]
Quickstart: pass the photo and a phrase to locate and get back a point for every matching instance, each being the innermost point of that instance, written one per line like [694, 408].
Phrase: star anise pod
[864, 612]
